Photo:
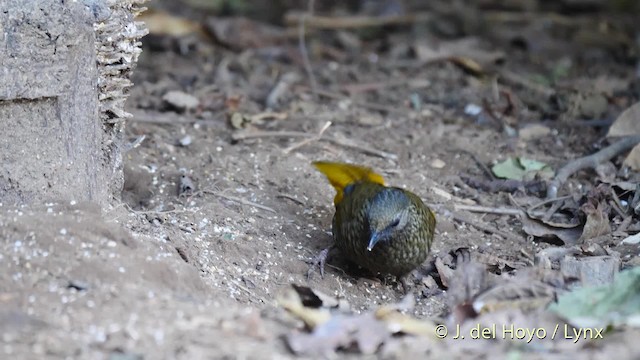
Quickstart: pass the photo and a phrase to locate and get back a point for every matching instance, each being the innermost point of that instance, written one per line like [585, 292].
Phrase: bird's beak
[375, 237]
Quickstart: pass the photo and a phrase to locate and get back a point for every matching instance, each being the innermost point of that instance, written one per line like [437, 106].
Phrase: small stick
[309, 140]
[244, 135]
[280, 89]
[303, 47]
[552, 210]
[354, 22]
[624, 225]
[485, 228]
[480, 164]
[286, 196]
[239, 200]
[544, 202]
[373, 86]
[159, 212]
[589, 162]
[261, 134]
[171, 119]
[614, 205]
[369, 105]
[488, 210]
[362, 148]
[515, 79]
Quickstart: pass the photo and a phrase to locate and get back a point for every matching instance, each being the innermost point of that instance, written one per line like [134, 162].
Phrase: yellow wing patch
[340, 175]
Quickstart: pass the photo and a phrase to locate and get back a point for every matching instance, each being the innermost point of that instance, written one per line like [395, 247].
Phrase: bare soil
[195, 275]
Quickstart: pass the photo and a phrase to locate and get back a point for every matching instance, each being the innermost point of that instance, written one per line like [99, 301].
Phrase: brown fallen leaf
[362, 332]
[465, 53]
[400, 323]
[162, 23]
[533, 131]
[597, 223]
[334, 330]
[627, 123]
[241, 33]
[592, 270]
[528, 290]
[523, 294]
[537, 228]
[633, 159]
[317, 299]
[444, 271]
[291, 301]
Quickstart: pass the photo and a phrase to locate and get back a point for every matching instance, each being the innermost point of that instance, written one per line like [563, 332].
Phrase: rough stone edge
[118, 46]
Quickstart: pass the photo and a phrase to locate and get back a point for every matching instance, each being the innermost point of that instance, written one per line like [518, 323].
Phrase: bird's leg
[320, 260]
[403, 282]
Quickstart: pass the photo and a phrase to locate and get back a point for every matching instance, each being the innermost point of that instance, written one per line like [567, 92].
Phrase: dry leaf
[444, 271]
[401, 323]
[465, 53]
[535, 227]
[632, 240]
[592, 270]
[162, 23]
[181, 100]
[241, 33]
[530, 289]
[633, 159]
[331, 331]
[341, 332]
[525, 295]
[533, 131]
[318, 299]
[291, 301]
[597, 222]
[628, 123]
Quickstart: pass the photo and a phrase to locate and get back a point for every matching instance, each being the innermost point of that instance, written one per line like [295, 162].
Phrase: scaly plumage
[383, 229]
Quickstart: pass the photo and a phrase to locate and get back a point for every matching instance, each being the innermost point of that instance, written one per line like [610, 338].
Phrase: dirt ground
[165, 274]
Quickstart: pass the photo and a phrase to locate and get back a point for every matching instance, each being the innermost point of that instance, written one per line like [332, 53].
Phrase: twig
[354, 22]
[485, 228]
[283, 85]
[309, 140]
[286, 196]
[614, 205]
[170, 119]
[303, 47]
[516, 79]
[364, 104]
[249, 292]
[480, 164]
[362, 148]
[159, 212]
[488, 210]
[624, 225]
[372, 86]
[589, 162]
[552, 210]
[544, 202]
[239, 200]
[243, 135]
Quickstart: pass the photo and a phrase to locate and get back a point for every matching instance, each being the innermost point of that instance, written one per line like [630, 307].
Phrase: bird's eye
[395, 223]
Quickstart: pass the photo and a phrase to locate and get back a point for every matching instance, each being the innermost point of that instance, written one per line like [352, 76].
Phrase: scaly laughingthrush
[383, 229]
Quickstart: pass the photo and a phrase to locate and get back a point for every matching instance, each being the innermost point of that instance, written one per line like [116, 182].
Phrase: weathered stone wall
[62, 92]
[49, 125]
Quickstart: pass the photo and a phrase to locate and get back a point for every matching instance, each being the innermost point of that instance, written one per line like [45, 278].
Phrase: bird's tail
[340, 175]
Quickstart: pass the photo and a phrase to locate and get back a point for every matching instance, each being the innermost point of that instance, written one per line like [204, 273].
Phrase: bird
[383, 229]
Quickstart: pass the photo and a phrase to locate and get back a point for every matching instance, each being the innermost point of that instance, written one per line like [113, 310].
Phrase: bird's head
[388, 214]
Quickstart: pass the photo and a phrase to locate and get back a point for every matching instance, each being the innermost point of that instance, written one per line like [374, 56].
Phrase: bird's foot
[405, 286]
[319, 260]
